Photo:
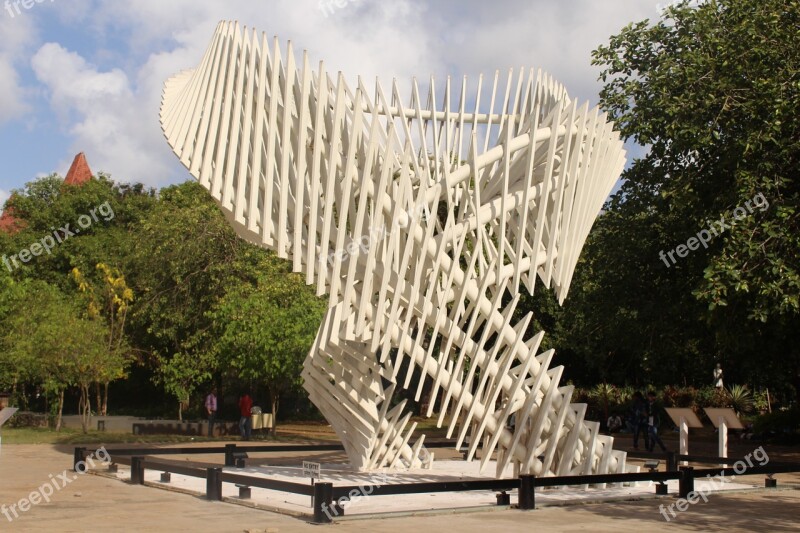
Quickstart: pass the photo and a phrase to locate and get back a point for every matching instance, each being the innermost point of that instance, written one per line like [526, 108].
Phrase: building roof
[8, 222]
[79, 173]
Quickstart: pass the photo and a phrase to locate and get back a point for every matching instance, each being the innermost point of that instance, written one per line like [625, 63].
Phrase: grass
[76, 436]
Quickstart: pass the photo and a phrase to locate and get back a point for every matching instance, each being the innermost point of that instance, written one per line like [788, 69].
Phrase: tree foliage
[265, 331]
[714, 93]
[711, 92]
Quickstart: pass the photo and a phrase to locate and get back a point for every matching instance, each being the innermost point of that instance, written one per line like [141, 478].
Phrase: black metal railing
[327, 498]
[230, 449]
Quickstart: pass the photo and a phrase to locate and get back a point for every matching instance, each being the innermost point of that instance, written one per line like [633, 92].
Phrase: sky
[86, 75]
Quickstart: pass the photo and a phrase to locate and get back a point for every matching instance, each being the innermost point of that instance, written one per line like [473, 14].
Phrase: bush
[26, 419]
[712, 397]
[679, 397]
[783, 426]
[760, 401]
[624, 397]
[580, 395]
[741, 399]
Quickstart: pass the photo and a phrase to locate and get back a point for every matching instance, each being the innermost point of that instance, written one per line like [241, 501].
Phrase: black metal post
[214, 484]
[686, 481]
[78, 457]
[230, 460]
[672, 462]
[137, 470]
[527, 496]
[323, 497]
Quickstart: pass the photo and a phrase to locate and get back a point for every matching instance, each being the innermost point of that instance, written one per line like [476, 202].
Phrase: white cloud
[557, 37]
[17, 33]
[12, 97]
[3, 197]
[113, 114]
[104, 116]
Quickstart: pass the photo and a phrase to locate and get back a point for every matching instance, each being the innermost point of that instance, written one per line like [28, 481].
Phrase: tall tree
[713, 92]
[46, 334]
[110, 302]
[180, 265]
[265, 331]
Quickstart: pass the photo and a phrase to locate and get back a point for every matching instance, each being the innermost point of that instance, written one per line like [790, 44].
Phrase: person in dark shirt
[653, 421]
[639, 420]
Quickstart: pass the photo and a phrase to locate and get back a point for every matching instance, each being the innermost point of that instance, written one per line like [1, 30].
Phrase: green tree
[17, 366]
[181, 373]
[47, 335]
[265, 331]
[713, 92]
[710, 91]
[110, 303]
[185, 259]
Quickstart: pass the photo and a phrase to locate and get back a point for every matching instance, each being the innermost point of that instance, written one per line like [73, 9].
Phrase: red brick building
[79, 173]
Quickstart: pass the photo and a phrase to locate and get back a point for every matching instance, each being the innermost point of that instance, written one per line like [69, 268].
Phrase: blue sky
[86, 75]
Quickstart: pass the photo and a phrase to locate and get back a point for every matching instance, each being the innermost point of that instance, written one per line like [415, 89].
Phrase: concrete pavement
[98, 504]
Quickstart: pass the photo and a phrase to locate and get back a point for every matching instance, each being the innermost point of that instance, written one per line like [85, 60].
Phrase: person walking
[245, 421]
[614, 424]
[211, 409]
[639, 420]
[653, 421]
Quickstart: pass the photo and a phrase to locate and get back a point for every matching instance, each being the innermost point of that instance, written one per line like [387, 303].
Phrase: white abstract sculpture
[421, 221]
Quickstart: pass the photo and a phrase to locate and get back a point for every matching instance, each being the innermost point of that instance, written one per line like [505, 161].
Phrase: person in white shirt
[718, 376]
[211, 409]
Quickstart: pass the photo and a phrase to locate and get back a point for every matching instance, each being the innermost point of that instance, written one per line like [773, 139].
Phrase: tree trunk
[275, 400]
[60, 410]
[85, 407]
[14, 392]
[98, 398]
[104, 410]
[796, 380]
[180, 411]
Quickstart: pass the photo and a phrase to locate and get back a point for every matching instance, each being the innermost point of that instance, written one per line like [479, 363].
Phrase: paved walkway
[94, 504]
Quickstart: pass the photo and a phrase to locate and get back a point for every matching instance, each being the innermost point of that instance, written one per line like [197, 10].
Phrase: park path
[98, 504]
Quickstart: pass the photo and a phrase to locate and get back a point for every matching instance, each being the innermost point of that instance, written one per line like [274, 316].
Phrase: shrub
[779, 425]
[26, 419]
[760, 401]
[580, 395]
[603, 397]
[624, 396]
[740, 399]
[679, 397]
[712, 397]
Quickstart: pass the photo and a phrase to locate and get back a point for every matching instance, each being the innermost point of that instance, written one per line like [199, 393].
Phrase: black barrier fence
[327, 499]
[526, 485]
[232, 450]
[214, 477]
